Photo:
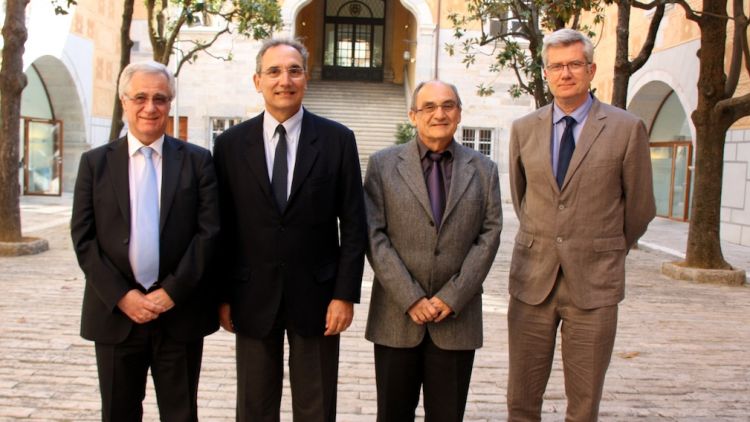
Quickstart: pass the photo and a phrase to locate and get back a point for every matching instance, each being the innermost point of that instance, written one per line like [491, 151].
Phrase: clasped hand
[142, 308]
[429, 310]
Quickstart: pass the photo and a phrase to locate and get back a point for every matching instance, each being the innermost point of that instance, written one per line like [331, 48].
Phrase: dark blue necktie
[280, 170]
[436, 187]
[567, 147]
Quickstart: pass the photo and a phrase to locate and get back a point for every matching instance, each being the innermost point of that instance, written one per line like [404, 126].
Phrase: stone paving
[682, 350]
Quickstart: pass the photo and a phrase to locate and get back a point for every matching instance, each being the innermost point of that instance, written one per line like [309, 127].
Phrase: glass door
[671, 164]
[354, 40]
[42, 160]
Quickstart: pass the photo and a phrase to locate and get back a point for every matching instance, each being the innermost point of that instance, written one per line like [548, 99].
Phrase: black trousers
[175, 368]
[443, 374]
[313, 375]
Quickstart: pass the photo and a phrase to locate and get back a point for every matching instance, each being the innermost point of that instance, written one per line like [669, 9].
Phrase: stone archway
[66, 106]
[425, 33]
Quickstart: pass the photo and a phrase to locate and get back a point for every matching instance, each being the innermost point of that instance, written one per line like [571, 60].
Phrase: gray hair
[422, 84]
[150, 67]
[565, 37]
[274, 42]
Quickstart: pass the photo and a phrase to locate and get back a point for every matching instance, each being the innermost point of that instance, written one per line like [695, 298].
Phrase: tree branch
[735, 62]
[737, 107]
[648, 45]
[199, 47]
[689, 12]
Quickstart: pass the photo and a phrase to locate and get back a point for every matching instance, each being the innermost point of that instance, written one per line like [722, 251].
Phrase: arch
[67, 106]
[648, 93]
[425, 30]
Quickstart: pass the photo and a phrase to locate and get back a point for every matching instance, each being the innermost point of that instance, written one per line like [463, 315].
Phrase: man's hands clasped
[429, 310]
[142, 308]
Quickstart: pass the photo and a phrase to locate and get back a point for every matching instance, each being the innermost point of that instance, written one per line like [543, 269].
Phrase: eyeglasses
[295, 72]
[141, 99]
[430, 108]
[573, 67]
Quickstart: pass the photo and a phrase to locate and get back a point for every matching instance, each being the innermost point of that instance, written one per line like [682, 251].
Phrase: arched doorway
[53, 130]
[671, 148]
[353, 44]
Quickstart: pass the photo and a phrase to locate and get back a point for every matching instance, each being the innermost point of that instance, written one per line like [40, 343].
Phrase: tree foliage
[512, 32]
[166, 18]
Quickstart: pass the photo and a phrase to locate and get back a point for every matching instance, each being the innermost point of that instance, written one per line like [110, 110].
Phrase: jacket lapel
[117, 161]
[171, 163]
[543, 139]
[410, 169]
[307, 153]
[461, 175]
[255, 154]
[589, 135]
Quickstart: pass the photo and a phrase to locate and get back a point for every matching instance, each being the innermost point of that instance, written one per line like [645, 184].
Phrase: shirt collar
[579, 114]
[291, 125]
[134, 145]
[423, 150]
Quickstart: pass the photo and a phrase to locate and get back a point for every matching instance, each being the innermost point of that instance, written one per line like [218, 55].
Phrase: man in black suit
[293, 242]
[144, 227]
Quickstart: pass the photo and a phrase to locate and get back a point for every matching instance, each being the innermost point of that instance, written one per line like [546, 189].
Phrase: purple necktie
[567, 147]
[436, 187]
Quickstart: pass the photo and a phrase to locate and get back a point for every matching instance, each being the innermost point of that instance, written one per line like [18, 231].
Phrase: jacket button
[437, 252]
[432, 224]
[561, 207]
[125, 241]
[559, 239]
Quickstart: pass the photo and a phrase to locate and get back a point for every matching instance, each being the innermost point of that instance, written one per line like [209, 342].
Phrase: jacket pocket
[524, 239]
[326, 273]
[609, 244]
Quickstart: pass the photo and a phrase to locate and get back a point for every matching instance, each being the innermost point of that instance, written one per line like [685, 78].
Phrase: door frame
[58, 157]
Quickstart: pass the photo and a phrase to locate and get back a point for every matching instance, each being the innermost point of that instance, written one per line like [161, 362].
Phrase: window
[220, 124]
[479, 139]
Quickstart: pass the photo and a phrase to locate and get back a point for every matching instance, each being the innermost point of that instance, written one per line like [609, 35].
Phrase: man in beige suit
[580, 175]
[434, 219]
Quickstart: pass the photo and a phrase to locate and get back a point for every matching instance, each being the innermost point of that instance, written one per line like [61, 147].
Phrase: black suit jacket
[310, 254]
[189, 225]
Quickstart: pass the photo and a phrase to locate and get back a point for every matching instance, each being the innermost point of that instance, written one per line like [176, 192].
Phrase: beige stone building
[358, 48]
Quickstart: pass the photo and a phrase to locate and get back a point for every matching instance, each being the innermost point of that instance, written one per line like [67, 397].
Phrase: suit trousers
[443, 374]
[175, 368]
[588, 336]
[313, 375]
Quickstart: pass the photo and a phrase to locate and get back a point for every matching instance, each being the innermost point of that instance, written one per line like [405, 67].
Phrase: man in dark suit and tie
[434, 219]
[580, 174]
[293, 242]
[144, 227]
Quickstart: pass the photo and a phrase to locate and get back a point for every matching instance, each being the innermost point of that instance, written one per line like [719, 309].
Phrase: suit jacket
[305, 257]
[189, 225]
[413, 260]
[587, 228]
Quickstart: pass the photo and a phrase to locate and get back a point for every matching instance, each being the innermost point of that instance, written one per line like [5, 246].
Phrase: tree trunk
[126, 44]
[12, 83]
[622, 63]
[704, 246]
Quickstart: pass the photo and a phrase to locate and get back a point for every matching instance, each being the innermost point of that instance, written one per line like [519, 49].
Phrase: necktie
[146, 262]
[436, 188]
[280, 170]
[567, 146]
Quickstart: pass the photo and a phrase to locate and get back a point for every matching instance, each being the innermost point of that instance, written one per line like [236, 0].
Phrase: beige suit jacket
[412, 259]
[587, 228]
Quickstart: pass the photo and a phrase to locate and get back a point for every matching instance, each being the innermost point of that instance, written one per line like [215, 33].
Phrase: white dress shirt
[293, 127]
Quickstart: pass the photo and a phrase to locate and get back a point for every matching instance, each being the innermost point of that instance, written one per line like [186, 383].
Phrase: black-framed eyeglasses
[575, 66]
[158, 100]
[295, 72]
[430, 108]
